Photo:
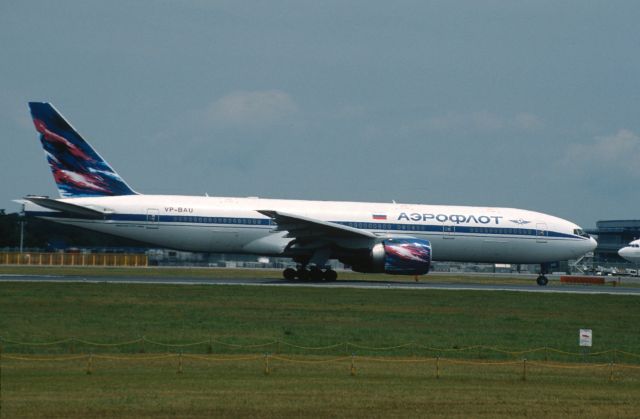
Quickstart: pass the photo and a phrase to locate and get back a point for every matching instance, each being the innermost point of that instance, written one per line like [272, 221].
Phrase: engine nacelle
[397, 257]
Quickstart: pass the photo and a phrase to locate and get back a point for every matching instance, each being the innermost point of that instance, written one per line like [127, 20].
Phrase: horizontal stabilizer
[76, 210]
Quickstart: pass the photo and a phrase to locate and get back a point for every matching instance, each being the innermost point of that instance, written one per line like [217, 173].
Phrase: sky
[525, 104]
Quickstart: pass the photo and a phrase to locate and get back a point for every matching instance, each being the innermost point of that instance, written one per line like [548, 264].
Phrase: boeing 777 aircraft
[631, 252]
[392, 238]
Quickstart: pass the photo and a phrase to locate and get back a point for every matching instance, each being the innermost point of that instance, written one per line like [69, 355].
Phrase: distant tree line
[49, 235]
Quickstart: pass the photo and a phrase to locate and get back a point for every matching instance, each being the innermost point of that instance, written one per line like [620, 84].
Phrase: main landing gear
[542, 278]
[311, 274]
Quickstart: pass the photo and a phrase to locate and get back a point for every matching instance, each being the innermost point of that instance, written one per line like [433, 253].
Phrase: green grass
[241, 389]
[311, 317]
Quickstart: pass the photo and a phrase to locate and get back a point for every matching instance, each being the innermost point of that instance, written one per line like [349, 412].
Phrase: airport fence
[90, 357]
[268, 363]
[73, 259]
[411, 350]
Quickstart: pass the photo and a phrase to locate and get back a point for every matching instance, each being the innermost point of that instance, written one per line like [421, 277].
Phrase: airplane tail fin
[77, 169]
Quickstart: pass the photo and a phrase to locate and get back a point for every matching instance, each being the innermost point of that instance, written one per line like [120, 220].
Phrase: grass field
[312, 317]
[154, 389]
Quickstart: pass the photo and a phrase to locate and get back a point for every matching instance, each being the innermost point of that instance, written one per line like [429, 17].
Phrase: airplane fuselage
[234, 225]
[631, 252]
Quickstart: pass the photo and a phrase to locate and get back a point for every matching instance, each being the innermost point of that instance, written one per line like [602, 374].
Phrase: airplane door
[153, 218]
[541, 233]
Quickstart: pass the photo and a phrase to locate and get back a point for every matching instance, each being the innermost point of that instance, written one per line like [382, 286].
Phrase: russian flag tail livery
[77, 169]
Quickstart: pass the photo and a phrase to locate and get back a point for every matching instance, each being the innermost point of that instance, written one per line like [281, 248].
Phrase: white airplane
[631, 252]
[391, 238]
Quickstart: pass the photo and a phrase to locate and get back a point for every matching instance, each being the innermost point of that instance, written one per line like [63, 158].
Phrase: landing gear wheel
[330, 275]
[289, 274]
[302, 274]
[315, 274]
[542, 280]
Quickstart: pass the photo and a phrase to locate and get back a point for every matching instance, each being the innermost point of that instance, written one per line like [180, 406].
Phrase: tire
[302, 274]
[316, 274]
[330, 275]
[289, 274]
[542, 280]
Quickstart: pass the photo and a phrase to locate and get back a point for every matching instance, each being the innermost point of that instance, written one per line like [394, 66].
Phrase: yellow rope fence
[352, 360]
[347, 347]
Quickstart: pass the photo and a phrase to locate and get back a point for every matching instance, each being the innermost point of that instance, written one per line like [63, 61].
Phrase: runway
[425, 284]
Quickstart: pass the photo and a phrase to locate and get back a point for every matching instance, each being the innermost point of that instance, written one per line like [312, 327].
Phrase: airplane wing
[76, 210]
[305, 228]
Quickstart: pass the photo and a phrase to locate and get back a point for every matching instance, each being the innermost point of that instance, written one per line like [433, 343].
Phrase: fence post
[267, 370]
[610, 371]
[353, 366]
[89, 364]
[524, 369]
[180, 363]
[142, 350]
[437, 367]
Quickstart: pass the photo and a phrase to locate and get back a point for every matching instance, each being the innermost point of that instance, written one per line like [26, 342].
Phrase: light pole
[22, 223]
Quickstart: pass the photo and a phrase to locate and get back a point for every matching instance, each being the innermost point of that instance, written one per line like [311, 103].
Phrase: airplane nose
[583, 247]
[622, 252]
[592, 244]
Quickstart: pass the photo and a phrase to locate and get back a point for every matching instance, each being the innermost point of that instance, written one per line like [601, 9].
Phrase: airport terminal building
[612, 236]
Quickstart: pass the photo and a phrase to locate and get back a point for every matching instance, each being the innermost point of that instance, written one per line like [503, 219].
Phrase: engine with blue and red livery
[396, 256]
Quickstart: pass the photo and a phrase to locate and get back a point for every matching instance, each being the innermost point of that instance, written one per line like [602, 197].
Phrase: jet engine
[401, 256]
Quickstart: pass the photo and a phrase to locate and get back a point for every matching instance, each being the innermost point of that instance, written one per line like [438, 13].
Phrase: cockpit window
[580, 232]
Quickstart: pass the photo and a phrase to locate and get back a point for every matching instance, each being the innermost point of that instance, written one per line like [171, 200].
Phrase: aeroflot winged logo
[520, 221]
[77, 169]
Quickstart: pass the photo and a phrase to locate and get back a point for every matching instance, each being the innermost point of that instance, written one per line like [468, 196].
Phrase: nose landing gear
[542, 278]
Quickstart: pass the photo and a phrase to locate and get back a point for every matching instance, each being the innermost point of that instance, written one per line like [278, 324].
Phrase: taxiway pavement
[423, 285]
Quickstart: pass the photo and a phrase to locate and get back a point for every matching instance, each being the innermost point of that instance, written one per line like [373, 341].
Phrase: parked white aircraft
[631, 252]
[370, 237]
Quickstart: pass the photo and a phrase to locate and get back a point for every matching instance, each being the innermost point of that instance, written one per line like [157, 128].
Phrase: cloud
[482, 121]
[527, 121]
[617, 152]
[251, 108]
